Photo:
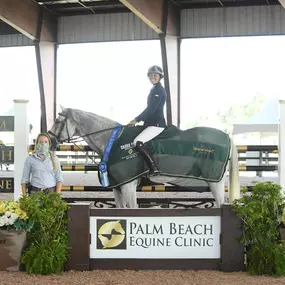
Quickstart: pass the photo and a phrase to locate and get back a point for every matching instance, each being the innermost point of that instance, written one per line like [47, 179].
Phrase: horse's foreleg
[129, 192]
[234, 183]
[218, 191]
[119, 199]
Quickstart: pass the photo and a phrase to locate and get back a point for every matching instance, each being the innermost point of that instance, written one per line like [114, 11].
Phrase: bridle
[70, 140]
[75, 140]
[64, 123]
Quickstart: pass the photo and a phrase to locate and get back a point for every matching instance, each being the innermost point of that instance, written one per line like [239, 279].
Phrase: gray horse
[73, 122]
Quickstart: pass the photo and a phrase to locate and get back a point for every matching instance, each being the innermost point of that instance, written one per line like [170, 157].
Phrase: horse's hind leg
[218, 191]
[119, 199]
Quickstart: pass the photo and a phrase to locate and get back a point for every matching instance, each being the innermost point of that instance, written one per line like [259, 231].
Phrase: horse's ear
[62, 108]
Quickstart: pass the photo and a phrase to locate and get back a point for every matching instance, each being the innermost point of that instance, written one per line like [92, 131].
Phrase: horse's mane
[75, 113]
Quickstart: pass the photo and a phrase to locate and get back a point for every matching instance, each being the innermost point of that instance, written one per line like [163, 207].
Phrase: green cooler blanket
[199, 153]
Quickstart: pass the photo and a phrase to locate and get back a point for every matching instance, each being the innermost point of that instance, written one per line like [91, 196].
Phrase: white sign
[155, 237]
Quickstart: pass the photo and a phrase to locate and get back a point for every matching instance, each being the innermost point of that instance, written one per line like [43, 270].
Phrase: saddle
[197, 153]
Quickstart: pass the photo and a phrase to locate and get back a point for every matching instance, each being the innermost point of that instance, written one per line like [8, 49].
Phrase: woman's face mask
[42, 149]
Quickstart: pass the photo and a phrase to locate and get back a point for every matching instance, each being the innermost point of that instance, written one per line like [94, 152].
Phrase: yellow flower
[18, 212]
[13, 207]
[23, 216]
[2, 208]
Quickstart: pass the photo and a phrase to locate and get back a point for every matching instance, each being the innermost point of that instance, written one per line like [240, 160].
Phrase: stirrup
[153, 171]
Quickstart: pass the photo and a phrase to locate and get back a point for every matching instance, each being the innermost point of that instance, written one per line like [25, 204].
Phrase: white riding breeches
[148, 134]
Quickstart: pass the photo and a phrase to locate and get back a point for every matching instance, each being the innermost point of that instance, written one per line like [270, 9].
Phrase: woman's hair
[52, 156]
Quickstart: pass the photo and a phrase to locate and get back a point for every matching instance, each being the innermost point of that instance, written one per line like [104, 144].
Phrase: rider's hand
[132, 122]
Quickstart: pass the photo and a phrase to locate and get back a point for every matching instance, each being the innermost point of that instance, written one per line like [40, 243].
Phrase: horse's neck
[92, 123]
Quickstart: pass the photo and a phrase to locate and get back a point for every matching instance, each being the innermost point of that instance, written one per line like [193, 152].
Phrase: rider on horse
[152, 116]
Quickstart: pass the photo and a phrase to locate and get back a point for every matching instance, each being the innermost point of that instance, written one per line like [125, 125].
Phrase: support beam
[282, 2]
[163, 16]
[46, 55]
[21, 143]
[281, 147]
[170, 51]
[23, 15]
[148, 11]
[151, 12]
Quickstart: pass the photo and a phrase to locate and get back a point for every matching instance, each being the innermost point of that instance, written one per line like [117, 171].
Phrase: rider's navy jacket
[153, 114]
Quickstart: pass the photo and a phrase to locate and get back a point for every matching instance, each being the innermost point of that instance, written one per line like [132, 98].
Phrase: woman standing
[42, 168]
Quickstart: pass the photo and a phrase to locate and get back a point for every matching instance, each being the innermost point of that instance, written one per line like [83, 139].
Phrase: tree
[239, 112]
[225, 118]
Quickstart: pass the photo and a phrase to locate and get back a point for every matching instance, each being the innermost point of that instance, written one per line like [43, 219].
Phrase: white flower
[11, 221]
[5, 220]
[8, 214]
[14, 217]
[1, 222]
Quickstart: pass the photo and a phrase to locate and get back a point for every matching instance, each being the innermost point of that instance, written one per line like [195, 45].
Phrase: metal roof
[84, 7]
[79, 7]
[196, 4]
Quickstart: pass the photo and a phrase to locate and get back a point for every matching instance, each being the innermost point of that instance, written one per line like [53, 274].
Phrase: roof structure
[45, 24]
[75, 7]
[85, 7]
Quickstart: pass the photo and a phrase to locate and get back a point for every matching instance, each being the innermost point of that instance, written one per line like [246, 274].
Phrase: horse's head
[62, 129]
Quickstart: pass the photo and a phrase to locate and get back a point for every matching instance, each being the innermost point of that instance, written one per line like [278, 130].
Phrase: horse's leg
[234, 183]
[119, 199]
[218, 191]
[129, 192]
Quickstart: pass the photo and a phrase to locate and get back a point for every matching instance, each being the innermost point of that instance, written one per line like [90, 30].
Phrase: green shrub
[47, 242]
[261, 213]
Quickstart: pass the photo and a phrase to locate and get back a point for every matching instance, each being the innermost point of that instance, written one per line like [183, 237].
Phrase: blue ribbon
[103, 168]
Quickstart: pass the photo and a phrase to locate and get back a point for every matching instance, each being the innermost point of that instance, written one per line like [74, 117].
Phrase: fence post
[78, 236]
[21, 143]
[254, 162]
[232, 250]
[281, 147]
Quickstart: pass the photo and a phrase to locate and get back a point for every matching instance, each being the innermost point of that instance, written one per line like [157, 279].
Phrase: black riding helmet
[155, 69]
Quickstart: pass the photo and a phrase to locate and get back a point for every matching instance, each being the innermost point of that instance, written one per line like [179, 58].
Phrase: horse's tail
[234, 183]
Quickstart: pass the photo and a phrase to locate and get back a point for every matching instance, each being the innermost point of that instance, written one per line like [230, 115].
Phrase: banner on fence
[155, 237]
[6, 123]
[6, 185]
[6, 154]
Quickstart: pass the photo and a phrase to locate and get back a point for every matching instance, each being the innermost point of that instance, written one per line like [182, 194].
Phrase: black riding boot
[153, 170]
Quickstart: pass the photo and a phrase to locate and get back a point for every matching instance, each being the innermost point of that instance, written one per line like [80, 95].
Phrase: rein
[76, 140]
[98, 132]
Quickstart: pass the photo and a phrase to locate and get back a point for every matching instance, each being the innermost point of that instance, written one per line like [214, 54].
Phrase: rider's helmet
[155, 69]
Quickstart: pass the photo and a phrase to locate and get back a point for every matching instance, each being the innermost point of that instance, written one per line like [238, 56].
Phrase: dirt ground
[129, 277]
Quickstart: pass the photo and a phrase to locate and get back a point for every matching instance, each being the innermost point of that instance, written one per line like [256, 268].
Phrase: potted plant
[261, 212]
[14, 223]
[48, 240]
